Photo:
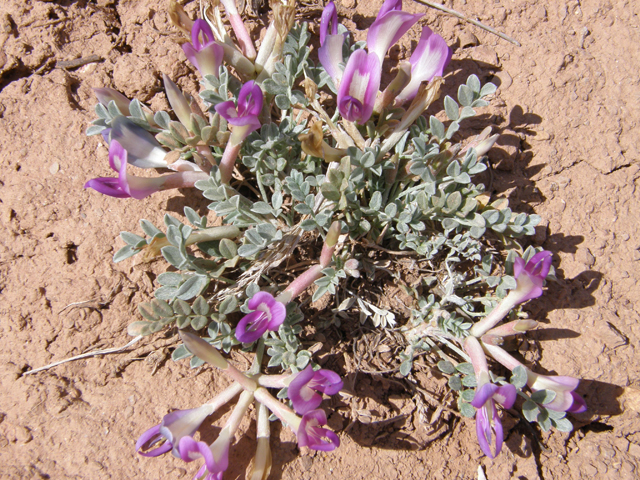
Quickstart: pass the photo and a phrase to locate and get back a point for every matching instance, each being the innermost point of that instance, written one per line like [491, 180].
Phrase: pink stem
[228, 161]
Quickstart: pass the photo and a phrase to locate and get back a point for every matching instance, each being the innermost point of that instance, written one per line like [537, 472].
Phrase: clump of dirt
[567, 152]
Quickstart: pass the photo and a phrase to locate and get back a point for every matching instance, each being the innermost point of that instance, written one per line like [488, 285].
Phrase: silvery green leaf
[508, 282]
[322, 219]
[161, 308]
[192, 216]
[455, 383]
[467, 410]
[563, 424]
[488, 89]
[473, 83]
[263, 208]
[252, 289]
[436, 127]
[228, 248]
[468, 394]
[147, 312]
[124, 253]
[543, 420]
[192, 287]
[479, 103]
[276, 200]
[228, 305]
[283, 102]
[254, 237]
[465, 368]
[405, 367]
[274, 88]
[195, 362]
[453, 128]
[149, 228]
[391, 210]
[248, 250]
[169, 220]
[180, 307]
[275, 361]
[465, 97]
[266, 231]
[519, 377]
[200, 306]
[446, 367]
[330, 192]
[368, 160]
[180, 353]
[318, 294]
[163, 119]
[376, 201]
[102, 111]
[451, 108]
[171, 279]
[113, 109]
[469, 381]
[466, 112]
[555, 415]
[543, 397]
[174, 236]
[135, 108]
[166, 293]
[530, 411]
[303, 209]
[94, 130]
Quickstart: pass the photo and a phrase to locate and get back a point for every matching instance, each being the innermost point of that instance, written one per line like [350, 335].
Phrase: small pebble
[53, 169]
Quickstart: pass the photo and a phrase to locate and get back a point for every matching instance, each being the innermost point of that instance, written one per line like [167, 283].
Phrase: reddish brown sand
[567, 109]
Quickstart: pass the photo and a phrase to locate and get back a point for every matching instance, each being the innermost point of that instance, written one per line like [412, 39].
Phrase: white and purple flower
[359, 86]
[330, 52]
[428, 60]
[204, 52]
[566, 399]
[267, 314]
[390, 25]
[130, 186]
[174, 427]
[306, 387]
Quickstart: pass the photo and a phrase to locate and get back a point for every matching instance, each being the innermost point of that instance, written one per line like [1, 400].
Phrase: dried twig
[459, 15]
[86, 355]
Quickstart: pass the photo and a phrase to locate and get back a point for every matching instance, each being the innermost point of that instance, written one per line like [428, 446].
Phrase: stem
[280, 410]
[228, 161]
[257, 360]
[494, 317]
[183, 179]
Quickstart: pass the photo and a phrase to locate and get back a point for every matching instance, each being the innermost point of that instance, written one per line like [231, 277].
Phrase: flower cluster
[359, 84]
[281, 171]
[486, 336]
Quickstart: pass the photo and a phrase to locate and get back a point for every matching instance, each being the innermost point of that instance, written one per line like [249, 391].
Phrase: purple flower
[244, 119]
[529, 280]
[359, 86]
[566, 400]
[124, 186]
[130, 186]
[530, 276]
[428, 60]
[487, 415]
[267, 314]
[204, 52]
[174, 426]
[107, 95]
[330, 52]
[215, 462]
[390, 25]
[249, 107]
[303, 389]
[310, 433]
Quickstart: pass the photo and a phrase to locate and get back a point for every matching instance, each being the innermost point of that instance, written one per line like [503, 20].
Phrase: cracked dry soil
[567, 111]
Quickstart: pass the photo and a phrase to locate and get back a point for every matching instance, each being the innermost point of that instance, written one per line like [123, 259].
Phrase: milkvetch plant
[287, 172]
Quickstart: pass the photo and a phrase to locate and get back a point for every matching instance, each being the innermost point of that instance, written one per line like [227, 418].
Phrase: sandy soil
[567, 111]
